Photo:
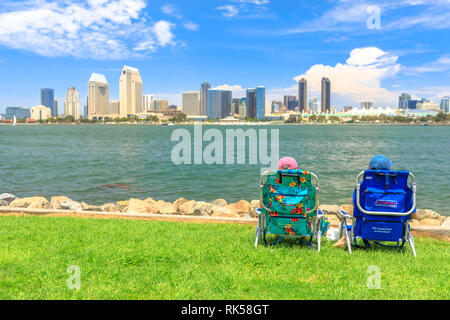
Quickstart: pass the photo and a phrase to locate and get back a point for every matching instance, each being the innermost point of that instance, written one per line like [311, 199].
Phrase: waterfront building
[314, 105]
[235, 105]
[148, 102]
[204, 98]
[366, 104]
[130, 90]
[243, 108]
[219, 103]
[276, 106]
[98, 96]
[412, 104]
[302, 94]
[256, 102]
[114, 108]
[403, 101]
[160, 105]
[445, 104]
[40, 113]
[18, 112]
[72, 103]
[326, 96]
[56, 108]
[191, 103]
[427, 105]
[48, 99]
[290, 102]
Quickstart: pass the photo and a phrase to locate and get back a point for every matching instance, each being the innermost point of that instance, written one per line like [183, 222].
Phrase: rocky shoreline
[184, 207]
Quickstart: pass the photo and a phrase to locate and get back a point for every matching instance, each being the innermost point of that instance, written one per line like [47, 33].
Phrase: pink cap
[287, 161]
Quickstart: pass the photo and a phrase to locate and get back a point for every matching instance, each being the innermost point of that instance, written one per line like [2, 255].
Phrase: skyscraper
[130, 88]
[72, 103]
[191, 103]
[219, 103]
[235, 106]
[204, 98]
[445, 104]
[290, 102]
[98, 96]
[56, 108]
[148, 105]
[314, 105]
[243, 108]
[48, 99]
[366, 104]
[256, 102]
[326, 95]
[302, 94]
[403, 101]
[114, 108]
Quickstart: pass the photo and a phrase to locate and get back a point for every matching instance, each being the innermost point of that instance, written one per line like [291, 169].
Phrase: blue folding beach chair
[383, 203]
[289, 207]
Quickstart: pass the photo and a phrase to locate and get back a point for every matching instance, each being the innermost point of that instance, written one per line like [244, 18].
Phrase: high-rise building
[56, 108]
[445, 104]
[114, 108]
[302, 94]
[72, 104]
[204, 98]
[256, 102]
[130, 88]
[160, 105]
[403, 101]
[191, 104]
[326, 95]
[48, 99]
[314, 105]
[219, 103]
[276, 106]
[243, 108]
[98, 96]
[366, 104]
[148, 102]
[290, 102]
[235, 105]
[412, 104]
[18, 112]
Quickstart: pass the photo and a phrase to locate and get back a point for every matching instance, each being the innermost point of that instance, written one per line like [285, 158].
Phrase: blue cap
[380, 162]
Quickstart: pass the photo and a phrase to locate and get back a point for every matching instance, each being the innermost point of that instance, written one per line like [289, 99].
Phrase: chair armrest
[343, 214]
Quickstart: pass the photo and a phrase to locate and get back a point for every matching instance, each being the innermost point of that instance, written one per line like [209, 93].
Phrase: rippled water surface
[99, 164]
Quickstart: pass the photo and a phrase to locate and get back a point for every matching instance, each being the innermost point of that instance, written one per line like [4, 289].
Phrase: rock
[187, 208]
[430, 214]
[8, 197]
[167, 208]
[30, 202]
[430, 222]
[416, 215]
[55, 202]
[246, 216]
[446, 223]
[139, 206]
[150, 200]
[70, 205]
[219, 203]
[242, 207]
[203, 208]
[254, 204]
[179, 202]
[3, 203]
[123, 205]
[334, 220]
[88, 207]
[227, 211]
[341, 243]
[329, 209]
[414, 223]
[109, 207]
[348, 208]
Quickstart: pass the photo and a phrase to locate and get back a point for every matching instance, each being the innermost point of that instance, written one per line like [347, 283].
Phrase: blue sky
[233, 44]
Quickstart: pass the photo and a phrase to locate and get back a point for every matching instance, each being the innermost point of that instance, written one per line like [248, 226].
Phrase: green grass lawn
[132, 259]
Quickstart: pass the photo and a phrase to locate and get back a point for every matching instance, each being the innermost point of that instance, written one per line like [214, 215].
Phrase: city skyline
[230, 46]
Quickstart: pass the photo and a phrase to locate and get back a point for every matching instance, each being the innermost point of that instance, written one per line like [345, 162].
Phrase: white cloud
[191, 26]
[99, 29]
[229, 11]
[357, 79]
[237, 90]
[235, 7]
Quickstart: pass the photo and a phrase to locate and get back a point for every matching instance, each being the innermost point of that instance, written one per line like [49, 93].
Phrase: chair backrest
[290, 192]
[384, 191]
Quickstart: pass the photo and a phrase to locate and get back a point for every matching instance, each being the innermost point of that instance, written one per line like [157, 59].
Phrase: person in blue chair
[380, 162]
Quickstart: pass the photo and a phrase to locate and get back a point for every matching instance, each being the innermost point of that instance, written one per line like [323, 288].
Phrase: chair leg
[411, 244]
[348, 240]
[319, 239]
[257, 237]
